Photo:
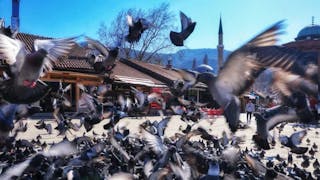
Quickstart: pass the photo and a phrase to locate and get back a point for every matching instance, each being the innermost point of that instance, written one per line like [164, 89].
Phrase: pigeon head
[31, 69]
[99, 58]
[6, 30]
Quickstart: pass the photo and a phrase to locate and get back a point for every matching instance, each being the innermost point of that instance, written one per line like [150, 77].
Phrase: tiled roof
[76, 61]
[157, 71]
[123, 69]
[166, 72]
[28, 39]
[76, 65]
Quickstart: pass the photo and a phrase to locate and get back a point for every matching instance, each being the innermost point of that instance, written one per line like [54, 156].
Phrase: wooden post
[77, 94]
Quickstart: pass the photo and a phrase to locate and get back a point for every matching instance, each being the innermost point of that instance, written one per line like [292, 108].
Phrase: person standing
[249, 109]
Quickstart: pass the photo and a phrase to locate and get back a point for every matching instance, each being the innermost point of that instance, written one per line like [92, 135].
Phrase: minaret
[205, 59]
[220, 46]
[15, 22]
[312, 21]
[194, 63]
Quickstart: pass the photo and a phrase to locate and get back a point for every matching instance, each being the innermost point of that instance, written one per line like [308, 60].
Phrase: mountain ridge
[184, 57]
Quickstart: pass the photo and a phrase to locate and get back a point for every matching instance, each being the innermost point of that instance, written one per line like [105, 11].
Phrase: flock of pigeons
[119, 154]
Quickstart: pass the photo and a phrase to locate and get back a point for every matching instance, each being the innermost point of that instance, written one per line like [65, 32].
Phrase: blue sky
[242, 19]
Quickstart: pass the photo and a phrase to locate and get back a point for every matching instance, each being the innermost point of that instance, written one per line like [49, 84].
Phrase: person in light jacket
[250, 108]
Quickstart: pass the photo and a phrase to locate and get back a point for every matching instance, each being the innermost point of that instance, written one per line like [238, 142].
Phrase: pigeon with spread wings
[187, 27]
[136, 28]
[245, 64]
[23, 84]
[238, 74]
[105, 61]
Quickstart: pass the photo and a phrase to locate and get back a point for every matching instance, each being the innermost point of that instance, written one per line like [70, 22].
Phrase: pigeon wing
[162, 126]
[187, 26]
[184, 172]
[129, 20]
[286, 82]
[274, 121]
[98, 46]
[12, 50]
[63, 148]
[139, 95]
[185, 21]
[55, 48]
[288, 59]
[189, 78]
[186, 33]
[242, 67]
[121, 102]
[154, 142]
[297, 137]
[67, 88]
[124, 154]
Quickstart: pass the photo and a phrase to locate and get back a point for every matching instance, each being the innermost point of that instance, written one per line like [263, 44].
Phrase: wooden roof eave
[73, 77]
[149, 72]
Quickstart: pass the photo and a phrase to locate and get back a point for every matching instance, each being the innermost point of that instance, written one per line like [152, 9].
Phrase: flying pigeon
[60, 98]
[7, 30]
[23, 85]
[91, 109]
[243, 66]
[136, 28]
[187, 27]
[42, 125]
[104, 61]
[142, 100]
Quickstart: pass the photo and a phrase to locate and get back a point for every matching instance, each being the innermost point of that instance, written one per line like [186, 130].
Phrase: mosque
[308, 39]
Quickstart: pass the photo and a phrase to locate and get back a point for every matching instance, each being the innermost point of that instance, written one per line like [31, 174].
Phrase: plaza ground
[216, 128]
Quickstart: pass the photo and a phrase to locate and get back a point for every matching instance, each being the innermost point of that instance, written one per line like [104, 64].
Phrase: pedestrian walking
[249, 109]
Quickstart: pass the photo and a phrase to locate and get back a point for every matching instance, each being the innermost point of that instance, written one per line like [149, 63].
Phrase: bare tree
[153, 41]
